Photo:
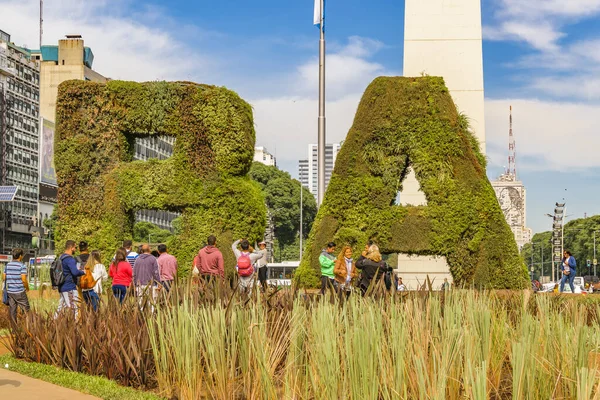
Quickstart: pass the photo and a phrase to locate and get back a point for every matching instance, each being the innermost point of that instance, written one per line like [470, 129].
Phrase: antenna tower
[41, 22]
[512, 154]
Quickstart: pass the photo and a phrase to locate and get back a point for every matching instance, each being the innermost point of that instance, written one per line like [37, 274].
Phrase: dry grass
[211, 342]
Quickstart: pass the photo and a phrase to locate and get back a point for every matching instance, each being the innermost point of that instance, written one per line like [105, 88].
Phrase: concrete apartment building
[308, 168]
[19, 143]
[262, 155]
[69, 60]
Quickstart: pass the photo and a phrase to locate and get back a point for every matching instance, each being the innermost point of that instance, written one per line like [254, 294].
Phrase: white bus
[281, 274]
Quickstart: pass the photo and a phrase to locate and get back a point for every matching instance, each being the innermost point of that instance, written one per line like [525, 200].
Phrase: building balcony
[4, 70]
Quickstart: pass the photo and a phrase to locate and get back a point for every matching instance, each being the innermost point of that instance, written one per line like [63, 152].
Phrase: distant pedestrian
[400, 287]
[121, 273]
[146, 276]
[167, 266]
[245, 263]
[209, 261]
[327, 262]
[345, 270]
[445, 286]
[568, 268]
[69, 296]
[131, 255]
[15, 278]
[372, 266]
[262, 265]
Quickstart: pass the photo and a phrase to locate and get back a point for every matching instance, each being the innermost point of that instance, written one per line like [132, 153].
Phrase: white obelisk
[443, 38]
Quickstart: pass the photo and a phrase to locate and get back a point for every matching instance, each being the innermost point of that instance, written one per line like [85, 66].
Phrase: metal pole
[594, 253]
[531, 261]
[321, 141]
[542, 258]
[301, 205]
[41, 22]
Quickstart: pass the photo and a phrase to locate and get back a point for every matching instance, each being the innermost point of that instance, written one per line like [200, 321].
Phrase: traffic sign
[595, 261]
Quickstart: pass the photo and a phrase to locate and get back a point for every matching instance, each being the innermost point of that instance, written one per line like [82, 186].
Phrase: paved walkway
[17, 386]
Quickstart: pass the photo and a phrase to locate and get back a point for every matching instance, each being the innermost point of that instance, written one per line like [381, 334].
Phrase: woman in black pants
[372, 267]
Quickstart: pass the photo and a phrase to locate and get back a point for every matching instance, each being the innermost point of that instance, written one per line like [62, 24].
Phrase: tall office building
[303, 173]
[19, 137]
[262, 155]
[157, 147]
[308, 169]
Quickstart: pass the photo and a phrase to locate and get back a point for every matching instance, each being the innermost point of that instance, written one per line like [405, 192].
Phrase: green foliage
[282, 195]
[93, 385]
[148, 232]
[100, 188]
[578, 238]
[404, 123]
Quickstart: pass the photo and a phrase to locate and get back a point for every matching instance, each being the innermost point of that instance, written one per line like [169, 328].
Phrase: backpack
[87, 281]
[244, 265]
[56, 272]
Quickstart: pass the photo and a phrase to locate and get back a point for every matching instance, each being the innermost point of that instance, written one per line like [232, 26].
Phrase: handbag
[4, 294]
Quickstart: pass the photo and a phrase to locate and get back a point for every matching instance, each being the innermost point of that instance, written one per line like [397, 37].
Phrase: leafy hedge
[100, 187]
[404, 122]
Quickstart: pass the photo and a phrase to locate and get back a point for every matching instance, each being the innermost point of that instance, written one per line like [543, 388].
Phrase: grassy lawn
[93, 385]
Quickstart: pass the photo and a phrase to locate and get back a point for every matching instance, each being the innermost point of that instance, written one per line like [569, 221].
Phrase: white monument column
[443, 38]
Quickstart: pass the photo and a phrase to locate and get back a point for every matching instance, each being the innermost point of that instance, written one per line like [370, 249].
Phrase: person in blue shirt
[568, 267]
[15, 276]
[69, 297]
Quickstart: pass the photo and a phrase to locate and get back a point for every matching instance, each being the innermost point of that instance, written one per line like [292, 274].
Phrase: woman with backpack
[91, 282]
[121, 273]
[245, 263]
[372, 266]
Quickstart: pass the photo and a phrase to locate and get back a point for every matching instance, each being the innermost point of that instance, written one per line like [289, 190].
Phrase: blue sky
[540, 56]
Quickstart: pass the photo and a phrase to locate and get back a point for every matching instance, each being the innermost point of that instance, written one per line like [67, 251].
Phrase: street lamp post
[301, 206]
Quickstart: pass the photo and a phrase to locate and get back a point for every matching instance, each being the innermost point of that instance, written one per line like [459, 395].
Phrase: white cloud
[558, 136]
[125, 48]
[538, 22]
[286, 125]
[541, 8]
[348, 70]
[541, 36]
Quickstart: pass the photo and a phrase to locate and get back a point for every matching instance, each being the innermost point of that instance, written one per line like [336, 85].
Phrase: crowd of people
[340, 273]
[147, 272]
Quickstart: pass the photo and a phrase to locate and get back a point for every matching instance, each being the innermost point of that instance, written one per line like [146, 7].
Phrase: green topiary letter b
[100, 187]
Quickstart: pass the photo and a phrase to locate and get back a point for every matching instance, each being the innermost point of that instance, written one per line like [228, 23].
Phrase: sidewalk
[16, 386]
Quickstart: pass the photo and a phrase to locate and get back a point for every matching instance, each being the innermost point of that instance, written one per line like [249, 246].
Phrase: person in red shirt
[209, 260]
[121, 273]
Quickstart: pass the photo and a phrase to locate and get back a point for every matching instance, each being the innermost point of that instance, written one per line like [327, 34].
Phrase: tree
[147, 231]
[282, 196]
[578, 238]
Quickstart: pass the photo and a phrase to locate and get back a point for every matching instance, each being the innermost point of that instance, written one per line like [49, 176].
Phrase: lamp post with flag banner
[319, 20]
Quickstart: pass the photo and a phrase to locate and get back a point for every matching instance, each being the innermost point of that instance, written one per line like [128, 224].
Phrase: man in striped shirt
[131, 255]
[15, 276]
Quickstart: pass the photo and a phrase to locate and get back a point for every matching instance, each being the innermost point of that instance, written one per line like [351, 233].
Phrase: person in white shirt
[401, 286]
[99, 272]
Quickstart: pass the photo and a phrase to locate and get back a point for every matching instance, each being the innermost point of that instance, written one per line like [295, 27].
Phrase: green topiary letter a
[413, 122]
